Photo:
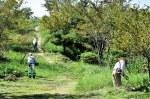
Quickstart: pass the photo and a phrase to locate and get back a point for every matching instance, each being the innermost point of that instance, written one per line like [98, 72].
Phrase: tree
[113, 24]
[54, 5]
[93, 26]
[11, 18]
[133, 35]
[61, 25]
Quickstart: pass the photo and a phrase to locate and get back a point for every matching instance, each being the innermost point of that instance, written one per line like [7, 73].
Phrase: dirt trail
[41, 53]
[39, 38]
[66, 88]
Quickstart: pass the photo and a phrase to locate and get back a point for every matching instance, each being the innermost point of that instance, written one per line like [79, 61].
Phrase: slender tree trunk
[146, 55]
[101, 44]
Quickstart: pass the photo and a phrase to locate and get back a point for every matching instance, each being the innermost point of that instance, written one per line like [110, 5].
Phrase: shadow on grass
[3, 59]
[47, 96]
[43, 78]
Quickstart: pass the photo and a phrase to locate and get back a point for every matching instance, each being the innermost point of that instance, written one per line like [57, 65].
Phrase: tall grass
[13, 63]
[45, 69]
[47, 46]
[93, 77]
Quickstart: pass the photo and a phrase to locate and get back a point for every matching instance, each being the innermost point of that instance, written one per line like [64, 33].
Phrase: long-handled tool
[22, 59]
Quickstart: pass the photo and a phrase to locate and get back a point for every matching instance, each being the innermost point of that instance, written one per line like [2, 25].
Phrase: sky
[39, 11]
[36, 7]
[141, 2]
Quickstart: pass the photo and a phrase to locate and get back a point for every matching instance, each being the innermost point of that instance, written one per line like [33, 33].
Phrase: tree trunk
[146, 55]
[101, 44]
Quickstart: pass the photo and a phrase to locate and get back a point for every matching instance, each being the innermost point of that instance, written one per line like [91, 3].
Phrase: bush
[72, 53]
[142, 85]
[112, 57]
[16, 47]
[89, 57]
[11, 71]
[117, 53]
[49, 47]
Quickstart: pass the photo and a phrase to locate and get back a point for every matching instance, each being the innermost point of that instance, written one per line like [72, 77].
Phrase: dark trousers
[34, 47]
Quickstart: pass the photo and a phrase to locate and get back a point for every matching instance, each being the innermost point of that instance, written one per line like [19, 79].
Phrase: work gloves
[119, 70]
[125, 76]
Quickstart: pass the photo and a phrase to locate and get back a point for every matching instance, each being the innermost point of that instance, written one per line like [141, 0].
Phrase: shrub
[11, 71]
[112, 56]
[49, 47]
[117, 53]
[142, 84]
[89, 57]
[16, 47]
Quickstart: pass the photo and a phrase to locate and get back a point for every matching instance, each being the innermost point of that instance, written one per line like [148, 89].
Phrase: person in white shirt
[118, 70]
[34, 44]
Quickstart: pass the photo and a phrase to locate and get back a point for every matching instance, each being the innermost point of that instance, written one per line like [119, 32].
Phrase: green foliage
[72, 53]
[116, 53]
[74, 21]
[143, 85]
[94, 82]
[54, 41]
[89, 57]
[139, 82]
[49, 47]
[91, 77]
[122, 26]
[22, 43]
[13, 20]
[50, 44]
[18, 48]
[65, 31]
[13, 66]
[137, 64]
[61, 29]
[12, 71]
[56, 38]
[35, 22]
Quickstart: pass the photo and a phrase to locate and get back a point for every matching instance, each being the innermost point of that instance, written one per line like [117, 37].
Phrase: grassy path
[60, 87]
[39, 88]
[69, 86]
[66, 88]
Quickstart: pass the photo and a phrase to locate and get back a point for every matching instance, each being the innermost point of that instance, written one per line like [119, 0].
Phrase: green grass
[53, 79]
[92, 81]
[47, 74]
[26, 88]
[47, 46]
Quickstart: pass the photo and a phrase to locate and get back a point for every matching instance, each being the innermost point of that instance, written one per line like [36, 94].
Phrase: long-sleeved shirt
[34, 41]
[120, 64]
[31, 60]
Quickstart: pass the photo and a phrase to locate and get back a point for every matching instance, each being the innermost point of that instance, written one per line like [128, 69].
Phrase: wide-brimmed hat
[122, 58]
